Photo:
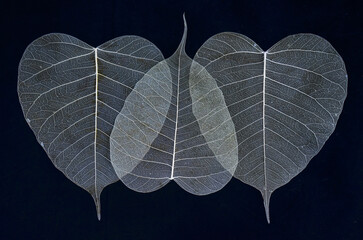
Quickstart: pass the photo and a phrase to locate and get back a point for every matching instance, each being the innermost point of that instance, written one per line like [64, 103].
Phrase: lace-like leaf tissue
[122, 111]
[71, 93]
[175, 125]
[284, 102]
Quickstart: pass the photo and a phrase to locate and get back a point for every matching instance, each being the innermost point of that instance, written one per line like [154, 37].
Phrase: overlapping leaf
[71, 93]
[284, 102]
[232, 110]
[175, 125]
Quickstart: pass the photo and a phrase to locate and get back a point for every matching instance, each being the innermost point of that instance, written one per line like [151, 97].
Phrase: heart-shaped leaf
[284, 102]
[71, 93]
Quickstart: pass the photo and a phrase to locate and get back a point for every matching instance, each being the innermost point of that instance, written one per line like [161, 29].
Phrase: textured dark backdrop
[38, 202]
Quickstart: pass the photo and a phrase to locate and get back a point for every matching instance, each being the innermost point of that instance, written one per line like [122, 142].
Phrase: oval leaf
[175, 125]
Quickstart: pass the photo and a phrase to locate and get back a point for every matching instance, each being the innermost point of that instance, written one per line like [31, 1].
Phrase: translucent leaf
[71, 93]
[175, 125]
[284, 102]
[234, 110]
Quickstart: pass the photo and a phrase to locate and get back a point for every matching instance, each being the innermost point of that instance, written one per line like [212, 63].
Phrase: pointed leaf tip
[181, 47]
[98, 207]
[185, 21]
[266, 202]
[267, 211]
[99, 215]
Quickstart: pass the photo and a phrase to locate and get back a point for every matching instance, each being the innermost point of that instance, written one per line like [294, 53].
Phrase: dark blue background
[38, 202]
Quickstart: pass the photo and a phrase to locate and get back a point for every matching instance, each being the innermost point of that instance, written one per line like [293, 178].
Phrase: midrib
[96, 116]
[176, 116]
[263, 121]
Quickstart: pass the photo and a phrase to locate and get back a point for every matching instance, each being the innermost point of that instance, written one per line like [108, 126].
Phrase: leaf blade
[180, 151]
[289, 99]
[66, 98]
